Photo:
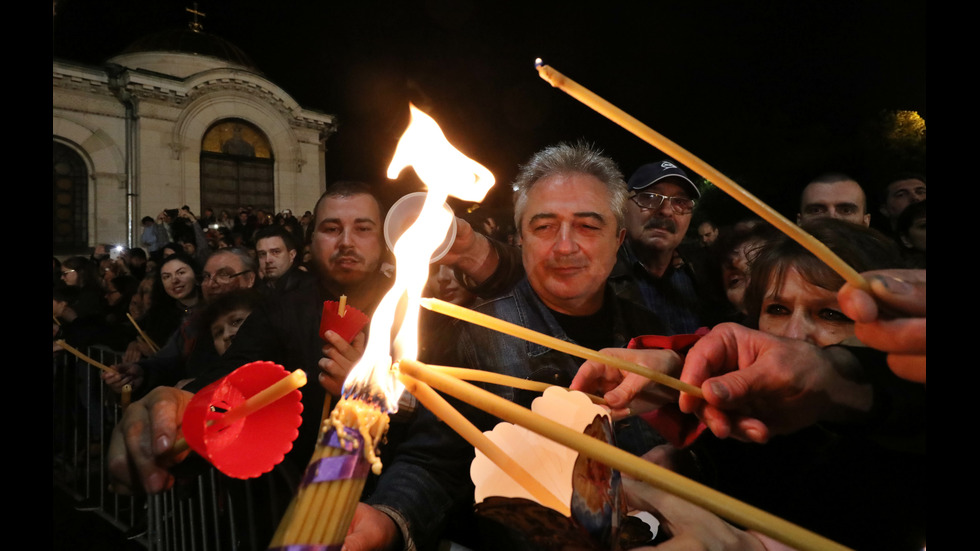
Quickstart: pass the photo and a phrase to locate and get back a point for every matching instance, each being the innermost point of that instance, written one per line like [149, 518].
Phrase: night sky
[769, 93]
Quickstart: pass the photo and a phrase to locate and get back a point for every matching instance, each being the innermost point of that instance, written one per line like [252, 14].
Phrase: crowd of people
[814, 389]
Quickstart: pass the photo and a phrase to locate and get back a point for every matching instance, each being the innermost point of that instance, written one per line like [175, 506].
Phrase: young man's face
[347, 242]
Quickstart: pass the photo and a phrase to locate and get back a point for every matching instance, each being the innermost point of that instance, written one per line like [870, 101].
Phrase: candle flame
[445, 171]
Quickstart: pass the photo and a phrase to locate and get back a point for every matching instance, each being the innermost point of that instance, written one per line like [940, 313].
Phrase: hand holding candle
[640, 469]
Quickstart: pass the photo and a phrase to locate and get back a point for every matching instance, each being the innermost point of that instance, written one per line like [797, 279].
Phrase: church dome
[182, 52]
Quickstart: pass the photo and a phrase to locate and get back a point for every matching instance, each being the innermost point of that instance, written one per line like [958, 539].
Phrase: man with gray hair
[569, 214]
[655, 209]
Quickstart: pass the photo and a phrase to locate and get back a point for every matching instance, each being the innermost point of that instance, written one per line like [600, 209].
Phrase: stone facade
[138, 122]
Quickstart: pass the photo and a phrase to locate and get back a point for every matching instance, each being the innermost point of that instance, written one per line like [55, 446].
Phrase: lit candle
[636, 467]
[514, 330]
[686, 158]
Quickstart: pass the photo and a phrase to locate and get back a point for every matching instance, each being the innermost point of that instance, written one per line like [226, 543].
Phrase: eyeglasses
[220, 278]
[66, 272]
[651, 200]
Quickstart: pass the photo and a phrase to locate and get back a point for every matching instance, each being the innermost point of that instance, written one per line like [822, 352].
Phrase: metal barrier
[207, 512]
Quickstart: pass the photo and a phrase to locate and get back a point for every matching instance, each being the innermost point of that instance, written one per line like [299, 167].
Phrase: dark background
[769, 93]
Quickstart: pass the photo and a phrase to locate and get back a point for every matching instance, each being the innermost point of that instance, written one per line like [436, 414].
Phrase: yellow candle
[127, 394]
[449, 415]
[146, 338]
[636, 467]
[342, 307]
[686, 158]
[81, 356]
[520, 332]
[265, 397]
[503, 380]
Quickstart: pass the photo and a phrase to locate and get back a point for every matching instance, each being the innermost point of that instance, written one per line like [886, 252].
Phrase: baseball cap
[650, 174]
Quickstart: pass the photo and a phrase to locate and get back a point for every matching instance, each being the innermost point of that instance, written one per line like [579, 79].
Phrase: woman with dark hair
[860, 481]
[730, 262]
[792, 293]
[176, 293]
[82, 273]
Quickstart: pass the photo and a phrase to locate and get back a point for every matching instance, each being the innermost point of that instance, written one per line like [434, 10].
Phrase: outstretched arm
[758, 385]
[141, 449]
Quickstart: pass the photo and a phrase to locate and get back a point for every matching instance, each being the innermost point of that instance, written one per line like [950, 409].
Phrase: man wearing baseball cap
[658, 214]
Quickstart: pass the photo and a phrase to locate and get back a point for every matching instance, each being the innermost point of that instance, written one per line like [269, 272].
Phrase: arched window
[236, 167]
[69, 190]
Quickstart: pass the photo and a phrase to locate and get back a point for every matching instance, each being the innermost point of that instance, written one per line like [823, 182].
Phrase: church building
[180, 117]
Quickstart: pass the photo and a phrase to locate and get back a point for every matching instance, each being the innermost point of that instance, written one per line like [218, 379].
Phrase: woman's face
[178, 279]
[443, 285]
[224, 329]
[801, 310]
[916, 236]
[736, 269]
[69, 276]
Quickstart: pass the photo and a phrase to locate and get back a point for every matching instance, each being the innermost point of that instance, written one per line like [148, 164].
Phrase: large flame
[445, 171]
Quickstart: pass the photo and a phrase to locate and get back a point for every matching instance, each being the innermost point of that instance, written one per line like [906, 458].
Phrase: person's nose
[801, 327]
[665, 210]
[346, 239]
[565, 241]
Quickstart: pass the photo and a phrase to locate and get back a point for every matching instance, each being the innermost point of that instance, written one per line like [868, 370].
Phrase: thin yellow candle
[127, 395]
[342, 307]
[81, 356]
[503, 380]
[686, 158]
[146, 338]
[514, 330]
[449, 415]
[265, 397]
[636, 467]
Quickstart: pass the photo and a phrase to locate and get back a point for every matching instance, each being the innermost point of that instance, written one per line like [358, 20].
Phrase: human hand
[689, 526]
[892, 318]
[471, 252]
[126, 373]
[339, 358]
[372, 530]
[629, 393]
[758, 385]
[135, 351]
[141, 447]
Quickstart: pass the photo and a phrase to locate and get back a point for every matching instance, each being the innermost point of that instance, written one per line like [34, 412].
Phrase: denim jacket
[427, 485]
